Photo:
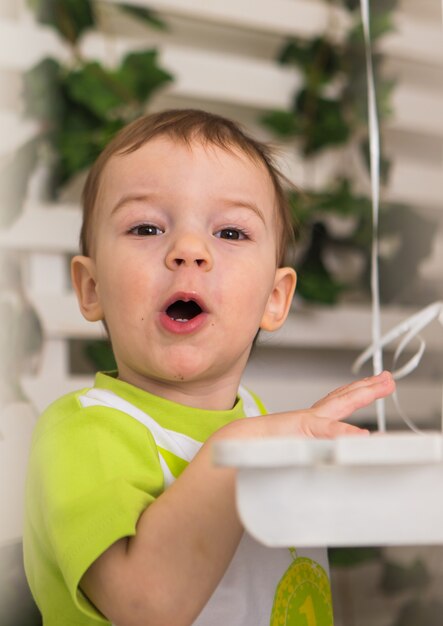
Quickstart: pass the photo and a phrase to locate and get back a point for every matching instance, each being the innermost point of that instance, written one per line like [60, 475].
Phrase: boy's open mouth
[183, 311]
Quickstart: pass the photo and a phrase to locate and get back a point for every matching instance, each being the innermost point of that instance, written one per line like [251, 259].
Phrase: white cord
[374, 157]
[410, 328]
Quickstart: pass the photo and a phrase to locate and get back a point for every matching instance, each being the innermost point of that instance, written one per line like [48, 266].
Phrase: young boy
[128, 522]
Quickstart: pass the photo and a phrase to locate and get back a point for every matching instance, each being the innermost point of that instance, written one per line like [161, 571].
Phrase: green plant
[329, 111]
[81, 104]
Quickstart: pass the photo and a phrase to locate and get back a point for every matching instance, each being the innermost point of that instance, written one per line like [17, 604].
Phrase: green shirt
[92, 472]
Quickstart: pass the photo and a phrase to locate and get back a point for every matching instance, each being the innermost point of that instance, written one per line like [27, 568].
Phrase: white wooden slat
[46, 273]
[416, 184]
[408, 100]
[414, 40]
[17, 421]
[14, 131]
[60, 317]
[38, 42]
[54, 359]
[410, 181]
[52, 228]
[411, 40]
[45, 389]
[205, 74]
[227, 78]
[341, 327]
[282, 17]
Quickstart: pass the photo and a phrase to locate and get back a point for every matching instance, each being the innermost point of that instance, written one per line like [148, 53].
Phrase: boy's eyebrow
[131, 197]
[229, 203]
[245, 204]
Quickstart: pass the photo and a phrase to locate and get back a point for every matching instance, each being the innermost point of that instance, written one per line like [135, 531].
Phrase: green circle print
[303, 596]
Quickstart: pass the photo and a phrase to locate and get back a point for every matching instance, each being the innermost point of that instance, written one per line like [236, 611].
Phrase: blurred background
[72, 72]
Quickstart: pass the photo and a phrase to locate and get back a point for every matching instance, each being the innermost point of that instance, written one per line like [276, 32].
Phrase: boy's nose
[189, 251]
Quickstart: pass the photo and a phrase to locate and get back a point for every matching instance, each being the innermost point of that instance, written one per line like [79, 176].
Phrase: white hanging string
[374, 156]
[412, 326]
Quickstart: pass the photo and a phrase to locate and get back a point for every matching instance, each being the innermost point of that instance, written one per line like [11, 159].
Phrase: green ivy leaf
[376, 5]
[341, 199]
[141, 75]
[319, 60]
[80, 140]
[318, 286]
[351, 5]
[380, 24]
[101, 356]
[349, 557]
[70, 18]
[302, 205]
[282, 123]
[146, 15]
[384, 96]
[294, 52]
[41, 91]
[315, 282]
[324, 65]
[105, 92]
[99, 90]
[323, 122]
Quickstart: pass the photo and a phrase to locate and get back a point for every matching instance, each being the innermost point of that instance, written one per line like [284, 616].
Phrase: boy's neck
[217, 395]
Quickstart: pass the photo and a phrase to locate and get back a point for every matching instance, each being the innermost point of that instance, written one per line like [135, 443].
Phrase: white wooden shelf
[376, 490]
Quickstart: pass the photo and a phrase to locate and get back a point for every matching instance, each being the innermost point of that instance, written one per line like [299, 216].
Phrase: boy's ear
[280, 299]
[83, 276]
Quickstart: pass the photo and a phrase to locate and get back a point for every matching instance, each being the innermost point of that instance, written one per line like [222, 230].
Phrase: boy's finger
[362, 382]
[323, 428]
[350, 400]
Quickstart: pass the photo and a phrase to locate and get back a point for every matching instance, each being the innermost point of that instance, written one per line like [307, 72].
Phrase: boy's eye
[146, 230]
[231, 233]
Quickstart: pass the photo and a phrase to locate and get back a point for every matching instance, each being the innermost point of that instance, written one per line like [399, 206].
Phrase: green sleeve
[92, 475]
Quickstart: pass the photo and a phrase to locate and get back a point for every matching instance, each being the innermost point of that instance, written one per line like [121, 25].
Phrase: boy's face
[183, 268]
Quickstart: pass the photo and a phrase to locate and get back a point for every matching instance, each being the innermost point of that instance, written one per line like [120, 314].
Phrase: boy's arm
[185, 540]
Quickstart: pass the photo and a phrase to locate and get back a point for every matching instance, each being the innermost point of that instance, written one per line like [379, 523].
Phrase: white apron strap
[250, 405]
[180, 445]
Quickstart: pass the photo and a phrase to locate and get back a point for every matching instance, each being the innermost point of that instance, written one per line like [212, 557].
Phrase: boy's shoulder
[75, 415]
[63, 408]
[68, 406]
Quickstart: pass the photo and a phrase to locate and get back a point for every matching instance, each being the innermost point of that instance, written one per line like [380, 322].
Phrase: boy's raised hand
[323, 419]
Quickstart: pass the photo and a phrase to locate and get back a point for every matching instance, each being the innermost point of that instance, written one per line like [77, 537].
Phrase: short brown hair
[187, 125]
